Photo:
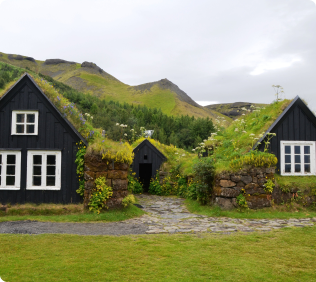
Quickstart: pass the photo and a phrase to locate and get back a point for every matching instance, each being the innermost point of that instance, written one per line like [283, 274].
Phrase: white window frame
[312, 157]
[17, 185]
[13, 126]
[29, 181]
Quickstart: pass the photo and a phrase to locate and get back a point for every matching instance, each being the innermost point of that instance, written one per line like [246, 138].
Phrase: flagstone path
[169, 215]
[164, 215]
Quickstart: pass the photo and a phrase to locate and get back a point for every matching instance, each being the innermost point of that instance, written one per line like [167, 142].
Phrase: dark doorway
[145, 175]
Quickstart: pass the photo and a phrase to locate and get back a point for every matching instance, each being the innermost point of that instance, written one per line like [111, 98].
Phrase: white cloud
[206, 103]
[1, 1]
[314, 1]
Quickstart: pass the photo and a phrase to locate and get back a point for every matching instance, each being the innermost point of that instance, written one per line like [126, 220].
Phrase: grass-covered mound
[230, 147]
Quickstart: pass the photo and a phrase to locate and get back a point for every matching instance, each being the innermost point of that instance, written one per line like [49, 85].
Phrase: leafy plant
[154, 186]
[254, 158]
[268, 186]
[129, 199]
[99, 195]
[242, 202]
[134, 186]
[80, 166]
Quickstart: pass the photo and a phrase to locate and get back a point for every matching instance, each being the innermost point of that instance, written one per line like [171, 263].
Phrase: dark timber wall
[54, 133]
[297, 124]
[154, 157]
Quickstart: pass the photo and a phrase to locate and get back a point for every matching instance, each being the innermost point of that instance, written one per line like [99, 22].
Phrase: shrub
[134, 186]
[155, 187]
[268, 187]
[204, 173]
[254, 158]
[99, 195]
[129, 199]
[242, 202]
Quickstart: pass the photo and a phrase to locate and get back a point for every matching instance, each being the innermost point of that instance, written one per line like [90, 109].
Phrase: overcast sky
[214, 50]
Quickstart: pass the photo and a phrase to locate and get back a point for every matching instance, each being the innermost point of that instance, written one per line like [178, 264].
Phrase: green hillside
[89, 78]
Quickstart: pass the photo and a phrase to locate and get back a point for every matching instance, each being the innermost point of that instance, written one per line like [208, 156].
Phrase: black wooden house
[294, 143]
[147, 161]
[37, 148]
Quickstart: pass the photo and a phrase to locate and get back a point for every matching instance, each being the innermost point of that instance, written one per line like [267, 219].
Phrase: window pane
[10, 169]
[307, 159]
[19, 128]
[30, 118]
[307, 149]
[50, 181]
[297, 159]
[297, 168]
[0, 159]
[37, 170]
[20, 117]
[0, 179]
[51, 170]
[297, 149]
[10, 159]
[51, 159]
[287, 168]
[29, 128]
[10, 180]
[37, 180]
[37, 159]
[287, 159]
[287, 149]
[307, 168]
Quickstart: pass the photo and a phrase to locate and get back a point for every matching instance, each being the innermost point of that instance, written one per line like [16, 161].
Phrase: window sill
[9, 188]
[43, 188]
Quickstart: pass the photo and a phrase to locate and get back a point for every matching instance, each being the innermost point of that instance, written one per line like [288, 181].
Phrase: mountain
[234, 110]
[89, 78]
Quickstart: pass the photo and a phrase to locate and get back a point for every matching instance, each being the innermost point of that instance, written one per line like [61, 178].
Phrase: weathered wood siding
[154, 157]
[53, 134]
[296, 125]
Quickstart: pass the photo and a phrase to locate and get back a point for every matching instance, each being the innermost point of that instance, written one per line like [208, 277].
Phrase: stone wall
[228, 186]
[115, 174]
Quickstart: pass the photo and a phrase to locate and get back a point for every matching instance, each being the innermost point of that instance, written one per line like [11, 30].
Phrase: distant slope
[233, 110]
[89, 78]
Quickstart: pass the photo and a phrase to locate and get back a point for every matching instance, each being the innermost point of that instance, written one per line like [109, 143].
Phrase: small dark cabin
[37, 148]
[294, 143]
[147, 161]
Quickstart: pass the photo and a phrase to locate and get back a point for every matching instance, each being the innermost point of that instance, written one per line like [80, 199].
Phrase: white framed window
[298, 158]
[43, 170]
[24, 123]
[10, 170]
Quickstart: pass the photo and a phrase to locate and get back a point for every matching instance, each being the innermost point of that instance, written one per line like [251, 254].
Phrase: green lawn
[281, 255]
[283, 212]
[48, 213]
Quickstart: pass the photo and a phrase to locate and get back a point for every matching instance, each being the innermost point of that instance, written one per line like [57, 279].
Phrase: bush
[155, 187]
[134, 186]
[254, 158]
[130, 199]
[204, 174]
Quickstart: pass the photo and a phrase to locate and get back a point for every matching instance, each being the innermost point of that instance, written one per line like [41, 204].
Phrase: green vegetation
[229, 146]
[302, 183]
[66, 213]
[281, 255]
[281, 212]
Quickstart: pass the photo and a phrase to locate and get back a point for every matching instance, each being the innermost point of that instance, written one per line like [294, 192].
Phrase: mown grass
[282, 255]
[286, 211]
[301, 182]
[59, 214]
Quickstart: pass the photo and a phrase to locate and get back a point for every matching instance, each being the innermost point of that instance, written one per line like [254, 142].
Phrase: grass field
[281, 255]
[283, 212]
[57, 213]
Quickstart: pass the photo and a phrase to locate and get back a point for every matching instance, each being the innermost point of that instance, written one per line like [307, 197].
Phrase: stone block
[254, 179]
[119, 184]
[225, 192]
[246, 179]
[117, 174]
[121, 166]
[224, 203]
[224, 176]
[109, 182]
[258, 202]
[270, 176]
[110, 165]
[89, 175]
[235, 177]
[270, 170]
[240, 184]
[88, 185]
[95, 162]
[234, 202]
[227, 183]
[254, 188]
[101, 174]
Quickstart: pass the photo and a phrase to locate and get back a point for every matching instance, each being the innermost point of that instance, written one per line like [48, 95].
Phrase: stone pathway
[169, 215]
